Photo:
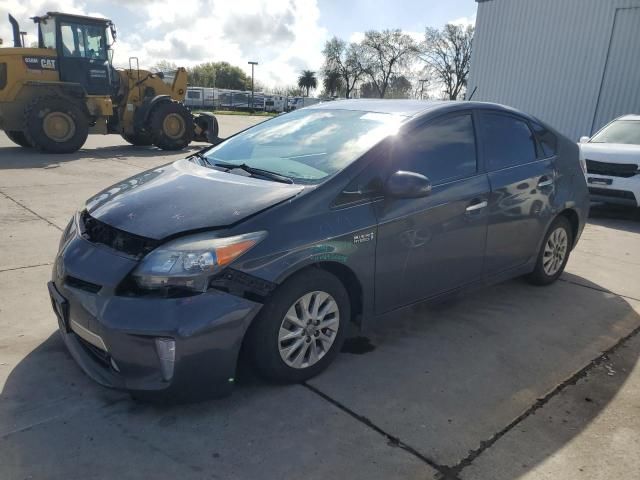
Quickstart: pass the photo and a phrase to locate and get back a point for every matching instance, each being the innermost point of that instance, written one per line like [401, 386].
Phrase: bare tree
[344, 60]
[447, 53]
[387, 54]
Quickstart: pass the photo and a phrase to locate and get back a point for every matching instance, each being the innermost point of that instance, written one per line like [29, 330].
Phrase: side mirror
[584, 139]
[407, 185]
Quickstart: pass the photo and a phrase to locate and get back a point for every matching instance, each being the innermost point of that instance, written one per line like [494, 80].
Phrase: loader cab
[83, 48]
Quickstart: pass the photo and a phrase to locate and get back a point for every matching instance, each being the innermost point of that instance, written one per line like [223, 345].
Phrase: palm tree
[308, 80]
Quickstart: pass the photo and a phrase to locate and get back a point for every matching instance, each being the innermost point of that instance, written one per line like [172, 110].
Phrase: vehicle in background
[275, 103]
[200, 97]
[240, 100]
[324, 219]
[611, 159]
[296, 103]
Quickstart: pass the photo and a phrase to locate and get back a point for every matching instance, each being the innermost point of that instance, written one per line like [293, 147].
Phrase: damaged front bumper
[174, 348]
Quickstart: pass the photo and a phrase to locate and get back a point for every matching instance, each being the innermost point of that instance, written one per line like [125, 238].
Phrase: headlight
[68, 232]
[189, 262]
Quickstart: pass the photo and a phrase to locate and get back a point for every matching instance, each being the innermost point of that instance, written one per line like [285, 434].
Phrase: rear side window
[507, 141]
[548, 141]
[442, 150]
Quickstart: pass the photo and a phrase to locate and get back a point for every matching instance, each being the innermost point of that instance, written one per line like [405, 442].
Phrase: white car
[612, 158]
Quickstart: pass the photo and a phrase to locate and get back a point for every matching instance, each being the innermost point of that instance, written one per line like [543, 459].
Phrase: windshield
[620, 131]
[307, 145]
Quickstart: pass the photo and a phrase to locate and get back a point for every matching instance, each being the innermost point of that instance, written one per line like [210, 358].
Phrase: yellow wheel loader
[53, 96]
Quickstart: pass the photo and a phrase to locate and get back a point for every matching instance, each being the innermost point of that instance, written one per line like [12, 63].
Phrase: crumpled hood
[184, 196]
[610, 152]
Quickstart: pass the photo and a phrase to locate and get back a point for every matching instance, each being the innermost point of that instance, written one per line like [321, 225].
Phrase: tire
[264, 343]
[171, 126]
[138, 139]
[556, 247]
[55, 125]
[18, 137]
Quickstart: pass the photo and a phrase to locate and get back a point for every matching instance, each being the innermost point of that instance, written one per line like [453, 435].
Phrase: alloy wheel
[308, 330]
[555, 251]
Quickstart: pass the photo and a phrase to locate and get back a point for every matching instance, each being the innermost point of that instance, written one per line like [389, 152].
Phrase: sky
[284, 36]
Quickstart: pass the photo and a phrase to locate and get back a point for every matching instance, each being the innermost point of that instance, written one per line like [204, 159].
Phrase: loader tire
[55, 125]
[171, 126]
[138, 139]
[18, 137]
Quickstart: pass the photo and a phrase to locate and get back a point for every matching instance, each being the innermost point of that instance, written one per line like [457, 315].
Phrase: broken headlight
[189, 262]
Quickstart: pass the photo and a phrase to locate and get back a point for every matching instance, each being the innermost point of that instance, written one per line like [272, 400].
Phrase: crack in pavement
[29, 210]
[603, 290]
[541, 402]
[443, 470]
[26, 266]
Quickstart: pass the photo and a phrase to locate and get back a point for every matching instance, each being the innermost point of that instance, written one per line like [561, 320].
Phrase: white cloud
[464, 21]
[284, 36]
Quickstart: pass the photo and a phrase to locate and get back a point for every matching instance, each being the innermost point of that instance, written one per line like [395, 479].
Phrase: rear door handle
[545, 181]
[477, 206]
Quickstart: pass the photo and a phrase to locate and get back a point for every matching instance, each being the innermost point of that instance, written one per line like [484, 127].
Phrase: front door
[433, 244]
[83, 58]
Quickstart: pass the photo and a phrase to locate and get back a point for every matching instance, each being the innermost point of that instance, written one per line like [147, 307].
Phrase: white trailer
[194, 97]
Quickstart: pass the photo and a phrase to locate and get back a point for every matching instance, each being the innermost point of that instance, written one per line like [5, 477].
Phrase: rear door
[433, 244]
[522, 178]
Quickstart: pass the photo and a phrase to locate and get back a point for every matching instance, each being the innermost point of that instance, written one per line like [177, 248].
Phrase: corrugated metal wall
[548, 58]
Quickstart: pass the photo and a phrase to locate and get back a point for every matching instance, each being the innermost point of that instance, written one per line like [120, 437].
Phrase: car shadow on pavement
[18, 157]
[444, 379]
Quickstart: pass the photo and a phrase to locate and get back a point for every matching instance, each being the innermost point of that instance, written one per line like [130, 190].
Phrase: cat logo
[40, 63]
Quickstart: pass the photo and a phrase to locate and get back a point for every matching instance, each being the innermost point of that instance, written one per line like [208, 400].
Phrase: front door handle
[545, 181]
[477, 206]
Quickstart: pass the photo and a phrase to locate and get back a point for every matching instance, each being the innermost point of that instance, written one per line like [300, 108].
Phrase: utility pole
[253, 64]
[422, 86]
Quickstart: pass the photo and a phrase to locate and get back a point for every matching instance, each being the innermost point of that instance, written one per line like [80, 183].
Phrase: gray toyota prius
[275, 242]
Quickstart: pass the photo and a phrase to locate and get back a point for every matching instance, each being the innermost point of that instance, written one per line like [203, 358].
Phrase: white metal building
[573, 63]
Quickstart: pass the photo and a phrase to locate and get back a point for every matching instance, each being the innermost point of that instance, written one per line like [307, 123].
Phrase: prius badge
[363, 237]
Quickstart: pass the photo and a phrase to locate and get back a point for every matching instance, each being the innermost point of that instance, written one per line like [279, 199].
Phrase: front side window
[83, 41]
[620, 131]
[443, 150]
[508, 141]
[308, 145]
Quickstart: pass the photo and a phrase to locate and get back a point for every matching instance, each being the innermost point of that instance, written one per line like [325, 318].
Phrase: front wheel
[171, 126]
[554, 253]
[300, 330]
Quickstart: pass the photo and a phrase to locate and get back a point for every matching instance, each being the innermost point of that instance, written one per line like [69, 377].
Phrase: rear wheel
[554, 253]
[300, 330]
[19, 138]
[171, 126]
[55, 125]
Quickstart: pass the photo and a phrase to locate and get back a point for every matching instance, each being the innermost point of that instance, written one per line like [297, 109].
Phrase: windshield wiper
[252, 170]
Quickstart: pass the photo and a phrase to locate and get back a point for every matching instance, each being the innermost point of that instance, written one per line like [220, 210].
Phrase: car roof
[629, 117]
[408, 108]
